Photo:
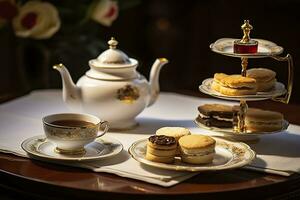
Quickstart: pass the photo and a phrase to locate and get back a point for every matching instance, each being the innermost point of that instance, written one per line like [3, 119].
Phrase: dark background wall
[178, 30]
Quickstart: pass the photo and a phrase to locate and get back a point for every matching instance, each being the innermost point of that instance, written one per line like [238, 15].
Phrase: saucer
[38, 147]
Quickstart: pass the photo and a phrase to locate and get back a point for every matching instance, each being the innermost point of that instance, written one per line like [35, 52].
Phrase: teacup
[70, 132]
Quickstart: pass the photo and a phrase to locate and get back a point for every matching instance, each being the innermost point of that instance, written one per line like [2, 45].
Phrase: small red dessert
[239, 47]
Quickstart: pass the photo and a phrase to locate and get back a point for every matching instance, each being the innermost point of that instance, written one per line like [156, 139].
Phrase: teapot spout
[154, 79]
[71, 93]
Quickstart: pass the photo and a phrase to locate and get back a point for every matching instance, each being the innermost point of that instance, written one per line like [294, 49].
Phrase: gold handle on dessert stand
[286, 98]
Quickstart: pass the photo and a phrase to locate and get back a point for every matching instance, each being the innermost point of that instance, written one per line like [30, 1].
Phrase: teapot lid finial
[113, 57]
[112, 43]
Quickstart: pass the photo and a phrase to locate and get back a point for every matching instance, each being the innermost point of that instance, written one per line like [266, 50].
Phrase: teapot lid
[113, 57]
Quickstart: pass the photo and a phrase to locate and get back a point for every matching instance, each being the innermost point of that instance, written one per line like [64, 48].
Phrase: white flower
[105, 12]
[38, 20]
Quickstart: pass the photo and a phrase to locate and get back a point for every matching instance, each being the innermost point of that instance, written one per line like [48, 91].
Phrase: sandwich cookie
[233, 85]
[176, 132]
[265, 78]
[197, 149]
[216, 115]
[161, 148]
[257, 120]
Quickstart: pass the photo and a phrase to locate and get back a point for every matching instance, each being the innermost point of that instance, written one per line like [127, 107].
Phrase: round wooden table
[23, 177]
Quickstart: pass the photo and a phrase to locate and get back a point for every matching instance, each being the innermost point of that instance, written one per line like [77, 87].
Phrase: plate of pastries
[223, 118]
[259, 84]
[176, 148]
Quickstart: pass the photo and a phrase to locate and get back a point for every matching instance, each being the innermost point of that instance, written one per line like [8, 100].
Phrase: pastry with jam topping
[176, 132]
[161, 148]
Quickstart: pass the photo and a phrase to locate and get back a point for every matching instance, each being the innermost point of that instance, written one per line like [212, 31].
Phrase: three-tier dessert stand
[264, 48]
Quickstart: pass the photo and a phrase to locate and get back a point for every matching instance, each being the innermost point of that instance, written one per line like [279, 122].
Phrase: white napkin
[21, 118]
[278, 153]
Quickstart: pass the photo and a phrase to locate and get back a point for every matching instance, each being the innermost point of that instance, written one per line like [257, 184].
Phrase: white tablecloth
[21, 119]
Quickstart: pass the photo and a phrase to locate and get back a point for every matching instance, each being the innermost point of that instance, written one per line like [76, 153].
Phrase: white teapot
[112, 89]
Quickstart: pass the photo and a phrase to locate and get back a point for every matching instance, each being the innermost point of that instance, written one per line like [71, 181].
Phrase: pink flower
[38, 20]
[105, 12]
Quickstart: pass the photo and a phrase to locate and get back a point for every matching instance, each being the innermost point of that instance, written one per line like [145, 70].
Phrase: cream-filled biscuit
[266, 86]
[161, 148]
[161, 152]
[216, 115]
[233, 85]
[234, 81]
[161, 159]
[204, 159]
[257, 120]
[197, 149]
[261, 74]
[265, 78]
[232, 91]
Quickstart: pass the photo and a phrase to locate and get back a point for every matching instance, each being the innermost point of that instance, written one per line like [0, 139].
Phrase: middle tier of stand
[278, 90]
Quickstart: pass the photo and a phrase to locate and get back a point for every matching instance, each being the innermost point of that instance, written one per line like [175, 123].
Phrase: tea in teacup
[73, 123]
[70, 132]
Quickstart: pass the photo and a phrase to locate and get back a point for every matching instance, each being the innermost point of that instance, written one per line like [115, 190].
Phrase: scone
[216, 115]
[257, 120]
[197, 149]
[176, 132]
[161, 148]
[265, 78]
[233, 85]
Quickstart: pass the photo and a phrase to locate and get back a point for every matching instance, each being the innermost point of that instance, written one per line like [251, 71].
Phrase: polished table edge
[44, 189]
[9, 180]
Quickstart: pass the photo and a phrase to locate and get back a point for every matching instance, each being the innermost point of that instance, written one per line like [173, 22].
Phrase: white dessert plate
[278, 90]
[229, 132]
[265, 48]
[228, 155]
[38, 147]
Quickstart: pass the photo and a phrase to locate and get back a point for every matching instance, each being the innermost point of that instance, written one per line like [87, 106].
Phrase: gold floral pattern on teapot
[128, 94]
